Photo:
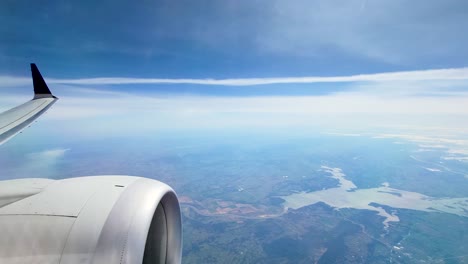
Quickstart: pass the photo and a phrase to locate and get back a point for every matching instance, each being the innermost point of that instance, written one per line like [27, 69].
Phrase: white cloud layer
[432, 100]
[420, 75]
[50, 154]
[127, 114]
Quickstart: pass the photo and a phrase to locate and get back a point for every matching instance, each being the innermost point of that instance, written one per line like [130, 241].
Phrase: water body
[347, 195]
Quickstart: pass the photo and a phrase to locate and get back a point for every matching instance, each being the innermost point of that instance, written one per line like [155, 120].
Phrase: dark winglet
[40, 87]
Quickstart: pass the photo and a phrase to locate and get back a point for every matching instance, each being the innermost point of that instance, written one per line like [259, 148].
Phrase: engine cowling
[97, 219]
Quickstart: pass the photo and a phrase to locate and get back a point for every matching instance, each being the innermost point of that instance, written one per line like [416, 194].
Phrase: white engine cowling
[98, 219]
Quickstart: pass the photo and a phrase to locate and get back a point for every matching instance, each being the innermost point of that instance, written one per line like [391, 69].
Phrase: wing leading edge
[16, 119]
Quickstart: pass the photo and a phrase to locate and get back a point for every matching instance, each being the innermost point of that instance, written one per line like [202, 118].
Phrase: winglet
[40, 87]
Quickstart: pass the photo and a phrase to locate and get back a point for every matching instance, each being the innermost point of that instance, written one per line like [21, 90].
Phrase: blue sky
[241, 63]
[232, 39]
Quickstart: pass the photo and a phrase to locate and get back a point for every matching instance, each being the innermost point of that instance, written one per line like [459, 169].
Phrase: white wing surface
[16, 119]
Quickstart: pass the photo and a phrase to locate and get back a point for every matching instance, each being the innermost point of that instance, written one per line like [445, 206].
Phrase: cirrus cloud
[420, 75]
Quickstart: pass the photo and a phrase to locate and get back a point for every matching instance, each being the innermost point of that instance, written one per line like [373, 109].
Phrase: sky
[333, 65]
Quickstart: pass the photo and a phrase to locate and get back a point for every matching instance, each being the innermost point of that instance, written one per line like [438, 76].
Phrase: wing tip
[41, 90]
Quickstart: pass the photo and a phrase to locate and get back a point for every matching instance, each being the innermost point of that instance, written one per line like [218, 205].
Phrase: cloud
[421, 75]
[44, 163]
[430, 101]
[415, 101]
[48, 155]
[124, 115]
[394, 31]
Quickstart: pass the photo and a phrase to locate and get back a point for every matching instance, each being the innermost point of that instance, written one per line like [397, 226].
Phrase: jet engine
[96, 219]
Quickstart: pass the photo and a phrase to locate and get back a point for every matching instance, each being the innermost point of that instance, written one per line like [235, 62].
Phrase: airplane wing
[16, 119]
[114, 219]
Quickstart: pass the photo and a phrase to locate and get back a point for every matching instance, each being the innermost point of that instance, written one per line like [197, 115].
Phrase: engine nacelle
[98, 219]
